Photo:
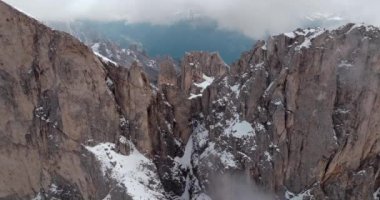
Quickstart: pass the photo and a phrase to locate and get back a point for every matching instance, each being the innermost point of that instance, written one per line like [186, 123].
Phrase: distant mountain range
[162, 40]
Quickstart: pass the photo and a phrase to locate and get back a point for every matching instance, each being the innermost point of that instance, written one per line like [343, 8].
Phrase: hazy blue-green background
[176, 39]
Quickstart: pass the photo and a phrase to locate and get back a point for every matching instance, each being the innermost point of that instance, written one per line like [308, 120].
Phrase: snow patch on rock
[301, 196]
[309, 35]
[345, 64]
[105, 59]
[239, 129]
[207, 82]
[203, 85]
[108, 197]
[133, 171]
[185, 160]
[376, 194]
[236, 89]
[193, 96]
[290, 35]
[38, 197]
[226, 158]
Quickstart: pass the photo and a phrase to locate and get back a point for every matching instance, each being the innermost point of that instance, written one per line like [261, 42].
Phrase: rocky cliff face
[53, 101]
[297, 117]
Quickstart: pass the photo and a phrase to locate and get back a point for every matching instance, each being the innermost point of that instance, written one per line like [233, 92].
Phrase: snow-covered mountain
[296, 117]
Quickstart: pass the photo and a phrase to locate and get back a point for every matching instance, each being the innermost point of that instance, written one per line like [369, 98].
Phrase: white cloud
[254, 18]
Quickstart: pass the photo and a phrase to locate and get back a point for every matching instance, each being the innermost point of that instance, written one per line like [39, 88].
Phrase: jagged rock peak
[138, 76]
[168, 74]
[199, 67]
[210, 63]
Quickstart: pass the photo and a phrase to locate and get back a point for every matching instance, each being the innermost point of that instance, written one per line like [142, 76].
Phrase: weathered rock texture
[311, 98]
[197, 64]
[53, 99]
[298, 117]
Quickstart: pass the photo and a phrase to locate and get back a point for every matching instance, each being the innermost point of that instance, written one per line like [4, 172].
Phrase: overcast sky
[254, 18]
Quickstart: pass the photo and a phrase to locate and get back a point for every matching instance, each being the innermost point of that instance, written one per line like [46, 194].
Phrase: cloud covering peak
[254, 18]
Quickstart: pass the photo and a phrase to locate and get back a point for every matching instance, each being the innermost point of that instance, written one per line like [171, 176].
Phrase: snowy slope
[135, 172]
